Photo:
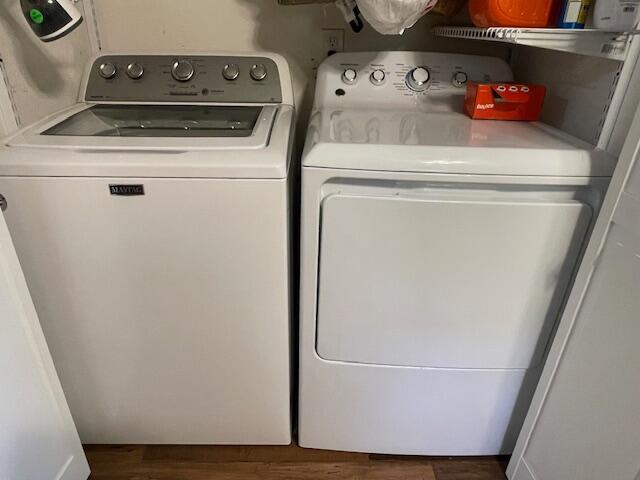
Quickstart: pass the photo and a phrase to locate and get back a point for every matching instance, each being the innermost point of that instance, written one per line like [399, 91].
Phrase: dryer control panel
[412, 79]
[184, 78]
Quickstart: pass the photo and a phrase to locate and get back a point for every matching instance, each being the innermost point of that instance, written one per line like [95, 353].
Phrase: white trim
[91, 18]
[8, 122]
[523, 472]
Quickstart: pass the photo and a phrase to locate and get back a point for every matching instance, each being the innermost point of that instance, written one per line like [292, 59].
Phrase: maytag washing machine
[152, 222]
[436, 253]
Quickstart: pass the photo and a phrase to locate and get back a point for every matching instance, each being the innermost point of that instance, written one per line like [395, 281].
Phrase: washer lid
[446, 142]
[135, 126]
[155, 141]
[160, 121]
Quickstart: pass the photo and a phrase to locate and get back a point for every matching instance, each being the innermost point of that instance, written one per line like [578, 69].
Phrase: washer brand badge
[126, 190]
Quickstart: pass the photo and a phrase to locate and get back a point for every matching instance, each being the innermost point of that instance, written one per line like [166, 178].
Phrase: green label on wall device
[36, 16]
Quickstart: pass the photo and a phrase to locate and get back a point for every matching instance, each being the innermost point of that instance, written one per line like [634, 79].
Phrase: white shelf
[598, 43]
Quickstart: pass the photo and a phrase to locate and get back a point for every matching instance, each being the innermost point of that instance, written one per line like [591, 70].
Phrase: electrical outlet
[333, 40]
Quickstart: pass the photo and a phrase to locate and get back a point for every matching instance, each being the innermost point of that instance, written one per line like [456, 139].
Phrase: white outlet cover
[333, 39]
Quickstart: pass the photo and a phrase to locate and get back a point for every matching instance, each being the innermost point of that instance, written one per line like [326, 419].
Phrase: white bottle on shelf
[616, 15]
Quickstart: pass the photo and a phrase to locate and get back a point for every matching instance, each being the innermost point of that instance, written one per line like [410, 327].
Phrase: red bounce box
[504, 101]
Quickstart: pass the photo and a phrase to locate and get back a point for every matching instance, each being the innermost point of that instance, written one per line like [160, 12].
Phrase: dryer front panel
[464, 278]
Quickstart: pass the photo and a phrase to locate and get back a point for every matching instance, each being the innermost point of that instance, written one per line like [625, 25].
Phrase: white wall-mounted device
[51, 19]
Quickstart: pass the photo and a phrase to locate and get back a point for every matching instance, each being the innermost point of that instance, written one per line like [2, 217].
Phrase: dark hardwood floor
[178, 462]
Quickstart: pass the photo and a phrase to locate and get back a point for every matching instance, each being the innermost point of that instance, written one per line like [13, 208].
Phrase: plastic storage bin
[512, 13]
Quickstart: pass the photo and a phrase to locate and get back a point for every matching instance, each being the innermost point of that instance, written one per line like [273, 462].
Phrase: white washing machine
[436, 255]
[152, 223]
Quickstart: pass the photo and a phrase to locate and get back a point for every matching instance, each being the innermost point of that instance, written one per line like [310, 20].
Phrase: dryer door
[466, 278]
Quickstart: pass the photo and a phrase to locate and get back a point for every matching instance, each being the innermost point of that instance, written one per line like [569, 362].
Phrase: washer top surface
[394, 124]
[166, 115]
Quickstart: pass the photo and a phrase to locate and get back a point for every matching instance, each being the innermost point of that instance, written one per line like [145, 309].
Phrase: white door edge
[626, 161]
[41, 380]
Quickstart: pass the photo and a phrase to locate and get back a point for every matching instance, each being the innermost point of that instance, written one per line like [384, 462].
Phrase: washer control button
[182, 70]
[349, 76]
[258, 72]
[459, 79]
[107, 70]
[418, 79]
[135, 70]
[231, 71]
[377, 77]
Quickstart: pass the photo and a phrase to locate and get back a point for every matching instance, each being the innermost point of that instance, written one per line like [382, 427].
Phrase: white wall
[577, 94]
[254, 25]
[42, 77]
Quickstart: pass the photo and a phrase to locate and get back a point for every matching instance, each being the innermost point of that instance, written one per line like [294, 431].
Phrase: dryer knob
[349, 76]
[418, 79]
[459, 79]
[377, 77]
[182, 70]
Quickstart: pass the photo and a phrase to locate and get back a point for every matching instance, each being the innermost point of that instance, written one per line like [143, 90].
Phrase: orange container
[512, 13]
[504, 101]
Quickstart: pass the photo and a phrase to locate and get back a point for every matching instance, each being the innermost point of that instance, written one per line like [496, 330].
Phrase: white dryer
[152, 221]
[436, 255]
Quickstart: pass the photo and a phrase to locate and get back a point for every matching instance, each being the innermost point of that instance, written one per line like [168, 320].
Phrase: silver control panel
[408, 79]
[185, 79]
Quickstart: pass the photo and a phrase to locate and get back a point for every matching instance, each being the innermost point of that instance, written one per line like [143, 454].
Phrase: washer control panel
[384, 78]
[185, 79]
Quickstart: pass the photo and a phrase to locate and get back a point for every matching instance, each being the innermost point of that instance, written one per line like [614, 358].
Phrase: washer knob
[377, 77]
[258, 72]
[459, 79]
[349, 76]
[182, 70]
[135, 70]
[418, 79]
[107, 70]
[231, 71]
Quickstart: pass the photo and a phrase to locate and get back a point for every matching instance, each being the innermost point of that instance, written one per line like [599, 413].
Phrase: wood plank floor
[171, 462]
